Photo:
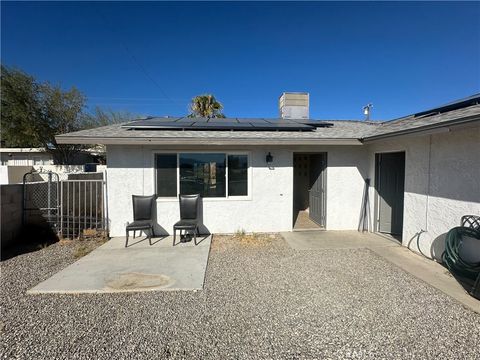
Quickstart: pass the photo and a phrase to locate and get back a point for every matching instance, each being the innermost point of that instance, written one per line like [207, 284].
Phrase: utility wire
[130, 53]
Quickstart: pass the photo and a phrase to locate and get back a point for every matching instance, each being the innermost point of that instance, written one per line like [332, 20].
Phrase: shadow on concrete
[156, 239]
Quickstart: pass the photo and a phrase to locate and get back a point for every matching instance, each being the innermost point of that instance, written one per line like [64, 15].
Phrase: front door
[316, 195]
[390, 186]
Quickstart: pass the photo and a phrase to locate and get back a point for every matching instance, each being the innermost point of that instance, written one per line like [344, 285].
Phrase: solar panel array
[254, 124]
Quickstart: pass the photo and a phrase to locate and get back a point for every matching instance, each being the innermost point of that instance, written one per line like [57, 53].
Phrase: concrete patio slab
[319, 239]
[140, 267]
[422, 268]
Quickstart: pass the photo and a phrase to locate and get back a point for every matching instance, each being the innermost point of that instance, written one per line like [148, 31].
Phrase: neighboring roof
[22, 150]
[346, 132]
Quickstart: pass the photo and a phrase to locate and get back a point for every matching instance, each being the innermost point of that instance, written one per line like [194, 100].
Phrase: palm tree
[206, 106]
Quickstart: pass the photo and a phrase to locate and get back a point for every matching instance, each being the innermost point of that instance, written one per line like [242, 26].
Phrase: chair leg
[195, 236]
[126, 242]
[150, 236]
[174, 235]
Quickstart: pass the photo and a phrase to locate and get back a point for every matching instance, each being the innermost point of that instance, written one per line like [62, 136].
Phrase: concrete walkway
[424, 269]
[140, 267]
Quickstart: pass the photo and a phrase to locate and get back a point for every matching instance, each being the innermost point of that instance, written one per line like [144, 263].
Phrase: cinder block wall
[11, 212]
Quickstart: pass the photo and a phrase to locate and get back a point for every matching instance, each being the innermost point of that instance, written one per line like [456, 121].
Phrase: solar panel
[223, 121]
[316, 123]
[224, 126]
[157, 124]
[185, 120]
[253, 124]
[281, 126]
[250, 121]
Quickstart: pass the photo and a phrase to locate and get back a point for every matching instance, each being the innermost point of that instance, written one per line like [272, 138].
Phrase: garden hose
[451, 256]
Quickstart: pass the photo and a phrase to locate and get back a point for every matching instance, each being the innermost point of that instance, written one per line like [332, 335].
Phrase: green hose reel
[452, 259]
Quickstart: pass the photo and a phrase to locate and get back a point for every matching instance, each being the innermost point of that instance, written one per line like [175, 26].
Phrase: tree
[62, 113]
[21, 109]
[206, 106]
[104, 117]
[33, 113]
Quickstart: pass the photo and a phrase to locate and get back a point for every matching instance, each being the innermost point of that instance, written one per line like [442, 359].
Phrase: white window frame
[207, 199]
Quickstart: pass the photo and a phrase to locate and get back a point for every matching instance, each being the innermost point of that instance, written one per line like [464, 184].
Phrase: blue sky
[152, 58]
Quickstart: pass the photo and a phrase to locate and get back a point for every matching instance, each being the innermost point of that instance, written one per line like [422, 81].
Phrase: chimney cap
[294, 93]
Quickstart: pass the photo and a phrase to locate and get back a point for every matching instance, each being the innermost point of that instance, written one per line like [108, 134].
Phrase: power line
[130, 53]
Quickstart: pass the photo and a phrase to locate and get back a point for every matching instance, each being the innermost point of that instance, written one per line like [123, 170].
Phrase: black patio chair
[142, 216]
[189, 220]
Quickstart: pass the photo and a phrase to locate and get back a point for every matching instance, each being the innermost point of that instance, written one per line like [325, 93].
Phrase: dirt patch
[138, 281]
[253, 240]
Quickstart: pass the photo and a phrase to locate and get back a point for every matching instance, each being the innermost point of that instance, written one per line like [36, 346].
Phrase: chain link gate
[40, 199]
[71, 207]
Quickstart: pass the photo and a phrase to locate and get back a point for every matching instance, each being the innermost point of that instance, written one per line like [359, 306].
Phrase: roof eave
[423, 130]
[205, 141]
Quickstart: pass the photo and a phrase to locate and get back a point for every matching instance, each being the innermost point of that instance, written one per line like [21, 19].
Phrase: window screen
[166, 167]
[203, 174]
[237, 175]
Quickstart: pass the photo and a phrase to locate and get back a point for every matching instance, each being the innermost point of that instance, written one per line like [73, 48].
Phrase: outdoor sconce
[269, 158]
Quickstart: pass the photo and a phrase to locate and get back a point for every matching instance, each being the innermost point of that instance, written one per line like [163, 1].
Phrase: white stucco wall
[269, 207]
[442, 183]
[347, 169]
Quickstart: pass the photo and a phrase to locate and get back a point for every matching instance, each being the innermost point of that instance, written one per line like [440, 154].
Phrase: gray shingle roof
[353, 131]
[340, 130]
[418, 123]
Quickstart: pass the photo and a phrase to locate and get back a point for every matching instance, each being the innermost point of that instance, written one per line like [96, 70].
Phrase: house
[15, 162]
[25, 156]
[411, 178]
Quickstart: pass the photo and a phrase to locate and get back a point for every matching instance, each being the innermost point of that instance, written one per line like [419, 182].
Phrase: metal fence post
[49, 194]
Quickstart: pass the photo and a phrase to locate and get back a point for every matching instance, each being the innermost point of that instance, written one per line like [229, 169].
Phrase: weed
[82, 250]
[240, 233]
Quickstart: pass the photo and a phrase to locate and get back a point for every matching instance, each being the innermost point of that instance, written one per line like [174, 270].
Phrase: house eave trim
[196, 141]
[423, 130]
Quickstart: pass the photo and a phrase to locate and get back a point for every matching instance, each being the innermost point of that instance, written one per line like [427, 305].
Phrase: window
[202, 173]
[237, 175]
[166, 167]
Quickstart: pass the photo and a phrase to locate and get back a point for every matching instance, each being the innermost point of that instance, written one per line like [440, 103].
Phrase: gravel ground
[261, 300]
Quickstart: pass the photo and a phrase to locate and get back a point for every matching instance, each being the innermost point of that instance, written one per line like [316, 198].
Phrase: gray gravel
[265, 301]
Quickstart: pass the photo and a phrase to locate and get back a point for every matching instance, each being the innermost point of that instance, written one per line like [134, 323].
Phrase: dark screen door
[390, 188]
[317, 191]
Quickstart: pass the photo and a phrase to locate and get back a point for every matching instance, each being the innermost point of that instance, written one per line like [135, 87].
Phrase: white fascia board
[205, 141]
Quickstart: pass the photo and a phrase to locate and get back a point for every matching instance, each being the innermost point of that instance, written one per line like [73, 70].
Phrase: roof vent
[294, 105]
